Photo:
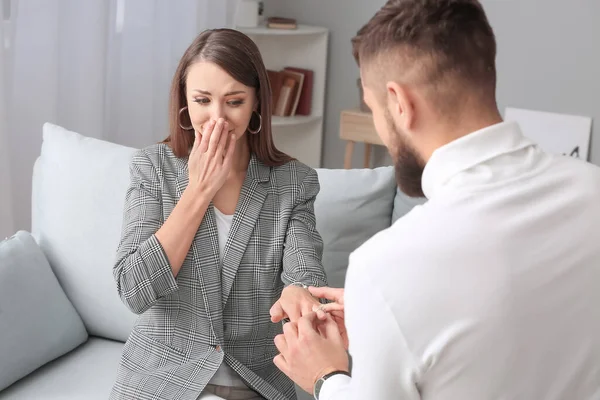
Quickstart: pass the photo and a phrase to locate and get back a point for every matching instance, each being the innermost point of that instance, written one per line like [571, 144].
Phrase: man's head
[429, 76]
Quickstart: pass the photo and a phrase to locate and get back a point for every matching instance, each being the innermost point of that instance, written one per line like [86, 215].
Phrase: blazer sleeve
[303, 249]
[142, 271]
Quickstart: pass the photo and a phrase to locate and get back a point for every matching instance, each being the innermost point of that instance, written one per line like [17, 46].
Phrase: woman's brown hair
[239, 56]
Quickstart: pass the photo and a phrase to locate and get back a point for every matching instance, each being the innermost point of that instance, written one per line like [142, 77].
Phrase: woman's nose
[217, 112]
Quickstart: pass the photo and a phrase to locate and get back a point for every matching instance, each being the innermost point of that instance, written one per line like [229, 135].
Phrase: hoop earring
[185, 128]
[255, 131]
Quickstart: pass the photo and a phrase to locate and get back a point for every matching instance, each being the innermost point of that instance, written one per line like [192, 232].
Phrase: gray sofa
[62, 325]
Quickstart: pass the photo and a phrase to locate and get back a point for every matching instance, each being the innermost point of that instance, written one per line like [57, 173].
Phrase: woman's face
[212, 93]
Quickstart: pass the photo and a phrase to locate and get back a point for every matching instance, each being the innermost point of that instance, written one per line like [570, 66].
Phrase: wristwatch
[319, 383]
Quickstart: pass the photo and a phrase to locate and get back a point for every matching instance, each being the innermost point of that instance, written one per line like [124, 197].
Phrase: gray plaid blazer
[212, 312]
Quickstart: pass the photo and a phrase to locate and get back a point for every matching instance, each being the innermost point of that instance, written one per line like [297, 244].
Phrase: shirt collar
[470, 150]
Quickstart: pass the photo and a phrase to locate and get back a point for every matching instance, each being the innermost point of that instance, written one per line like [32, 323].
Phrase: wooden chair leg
[348, 157]
[367, 159]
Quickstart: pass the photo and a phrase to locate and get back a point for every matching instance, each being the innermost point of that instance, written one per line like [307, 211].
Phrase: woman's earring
[185, 128]
[255, 131]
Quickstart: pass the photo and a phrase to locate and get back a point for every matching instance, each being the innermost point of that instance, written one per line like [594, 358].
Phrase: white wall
[548, 58]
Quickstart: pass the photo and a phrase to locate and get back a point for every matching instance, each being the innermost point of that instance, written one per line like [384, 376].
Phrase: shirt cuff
[334, 388]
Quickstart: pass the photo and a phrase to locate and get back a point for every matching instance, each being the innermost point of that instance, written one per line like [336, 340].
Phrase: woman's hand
[210, 160]
[294, 303]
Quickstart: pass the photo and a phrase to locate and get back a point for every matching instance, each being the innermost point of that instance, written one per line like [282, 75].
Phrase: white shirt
[490, 290]
[225, 375]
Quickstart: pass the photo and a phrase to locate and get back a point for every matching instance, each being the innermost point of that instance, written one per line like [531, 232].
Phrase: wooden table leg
[367, 159]
[348, 157]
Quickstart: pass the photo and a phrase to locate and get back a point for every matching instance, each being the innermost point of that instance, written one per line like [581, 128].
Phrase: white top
[225, 375]
[490, 290]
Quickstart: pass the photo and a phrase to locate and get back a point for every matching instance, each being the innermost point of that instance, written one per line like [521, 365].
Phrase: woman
[217, 221]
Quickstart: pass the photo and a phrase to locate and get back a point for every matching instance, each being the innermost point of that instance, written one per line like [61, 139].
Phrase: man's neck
[447, 133]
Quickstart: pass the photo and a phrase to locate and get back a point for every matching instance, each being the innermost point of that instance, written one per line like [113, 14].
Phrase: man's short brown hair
[447, 44]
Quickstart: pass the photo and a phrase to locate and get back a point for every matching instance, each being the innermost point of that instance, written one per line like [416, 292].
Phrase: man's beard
[407, 162]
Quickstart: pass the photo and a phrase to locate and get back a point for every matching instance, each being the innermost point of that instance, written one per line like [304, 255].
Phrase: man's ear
[400, 105]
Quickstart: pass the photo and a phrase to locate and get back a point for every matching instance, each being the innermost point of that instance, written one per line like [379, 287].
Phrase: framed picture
[556, 133]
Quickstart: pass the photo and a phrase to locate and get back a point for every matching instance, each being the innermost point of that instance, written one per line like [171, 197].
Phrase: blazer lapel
[252, 196]
[205, 256]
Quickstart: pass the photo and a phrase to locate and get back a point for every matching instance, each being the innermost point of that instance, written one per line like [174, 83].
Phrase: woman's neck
[241, 156]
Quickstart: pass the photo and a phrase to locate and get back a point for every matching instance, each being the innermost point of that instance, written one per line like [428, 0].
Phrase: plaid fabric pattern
[212, 312]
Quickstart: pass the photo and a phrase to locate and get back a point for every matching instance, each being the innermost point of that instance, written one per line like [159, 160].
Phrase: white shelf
[305, 47]
[295, 120]
[301, 30]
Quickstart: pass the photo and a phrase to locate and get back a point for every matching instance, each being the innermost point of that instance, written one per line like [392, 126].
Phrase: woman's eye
[236, 103]
[202, 100]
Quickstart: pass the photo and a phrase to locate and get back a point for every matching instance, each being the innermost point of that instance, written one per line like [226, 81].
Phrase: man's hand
[335, 309]
[310, 349]
[293, 303]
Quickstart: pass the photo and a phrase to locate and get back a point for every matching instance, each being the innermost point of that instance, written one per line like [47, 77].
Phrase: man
[491, 289]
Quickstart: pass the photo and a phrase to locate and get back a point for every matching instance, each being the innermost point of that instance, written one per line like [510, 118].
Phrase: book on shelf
[276, 80]
[291, 91]
[305, 100]
[298, 78]
[281, 23]
[285, 99]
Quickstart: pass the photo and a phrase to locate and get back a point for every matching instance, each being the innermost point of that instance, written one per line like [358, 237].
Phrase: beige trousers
[230, 393]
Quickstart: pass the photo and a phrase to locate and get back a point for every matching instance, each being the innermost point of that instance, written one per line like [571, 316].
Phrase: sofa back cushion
[79, 186]
[352, 206]
[37, 321]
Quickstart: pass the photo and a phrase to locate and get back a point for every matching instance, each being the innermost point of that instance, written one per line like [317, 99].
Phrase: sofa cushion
[79, 186]
[37, 321]
[87, 372]
[83, 181]
[352, 206]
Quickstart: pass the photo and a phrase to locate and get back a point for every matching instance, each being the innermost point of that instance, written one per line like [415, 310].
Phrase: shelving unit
[304, 47]
[358, 126]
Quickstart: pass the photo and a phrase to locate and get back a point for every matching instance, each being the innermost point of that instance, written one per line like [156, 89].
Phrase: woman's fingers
[212, 157]
[215, 136]
[223, 139]
[206, 136]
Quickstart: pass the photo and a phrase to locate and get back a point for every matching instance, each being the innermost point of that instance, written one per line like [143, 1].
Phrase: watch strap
[322, 380]
[329, 375]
